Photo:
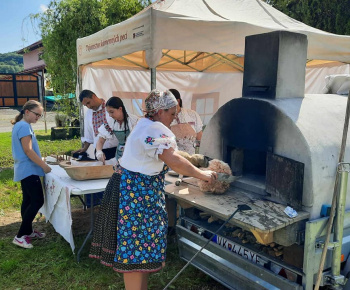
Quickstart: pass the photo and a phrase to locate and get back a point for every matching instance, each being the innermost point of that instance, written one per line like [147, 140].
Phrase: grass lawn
[51, 263]
[46, 146]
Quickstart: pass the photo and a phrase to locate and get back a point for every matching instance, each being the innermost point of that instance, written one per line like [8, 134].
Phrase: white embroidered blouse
[147, 140]
[115, 126]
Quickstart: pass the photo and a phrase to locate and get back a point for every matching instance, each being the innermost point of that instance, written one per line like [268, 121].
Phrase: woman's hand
[209, 176]
[181, 165]
[100, 156]
[47, 168]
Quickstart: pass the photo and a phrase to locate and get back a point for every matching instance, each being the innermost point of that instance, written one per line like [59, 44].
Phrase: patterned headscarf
[157, 100]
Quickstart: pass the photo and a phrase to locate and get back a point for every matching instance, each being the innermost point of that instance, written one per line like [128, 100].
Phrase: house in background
[29, 84]
[34, 64]
[32, 58]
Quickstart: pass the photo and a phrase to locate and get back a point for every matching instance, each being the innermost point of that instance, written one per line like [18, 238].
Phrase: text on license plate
[239, 250]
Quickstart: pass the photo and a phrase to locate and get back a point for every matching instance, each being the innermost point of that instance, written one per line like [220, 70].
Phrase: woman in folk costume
[121, 127]
[103, 244]
[142, 217]
[187, 127]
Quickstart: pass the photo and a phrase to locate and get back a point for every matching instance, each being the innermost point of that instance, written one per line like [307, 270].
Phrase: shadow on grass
[43, 137]
[6, 175]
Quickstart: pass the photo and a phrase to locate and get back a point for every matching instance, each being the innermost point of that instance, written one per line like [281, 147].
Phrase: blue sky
[16, 30]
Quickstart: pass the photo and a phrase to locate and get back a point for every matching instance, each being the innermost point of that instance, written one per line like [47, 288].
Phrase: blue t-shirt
[23, 166]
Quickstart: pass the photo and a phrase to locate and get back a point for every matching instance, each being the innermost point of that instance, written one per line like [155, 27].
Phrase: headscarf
[157, 100]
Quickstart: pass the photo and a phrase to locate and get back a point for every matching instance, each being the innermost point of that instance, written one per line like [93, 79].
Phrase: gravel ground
[7, 114]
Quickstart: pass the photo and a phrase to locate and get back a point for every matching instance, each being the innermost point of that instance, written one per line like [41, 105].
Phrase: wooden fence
[16, 89]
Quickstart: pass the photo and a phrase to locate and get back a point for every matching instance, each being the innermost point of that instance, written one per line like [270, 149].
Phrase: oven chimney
[274, 65]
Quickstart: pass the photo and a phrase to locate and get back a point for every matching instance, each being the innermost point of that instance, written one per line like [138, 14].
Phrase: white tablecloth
[58, 189]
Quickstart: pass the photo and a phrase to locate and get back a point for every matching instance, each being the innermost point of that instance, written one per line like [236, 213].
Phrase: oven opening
[254, 162]
[251, 166]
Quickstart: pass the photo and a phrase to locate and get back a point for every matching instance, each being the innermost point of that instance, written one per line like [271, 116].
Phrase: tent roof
[199, 35]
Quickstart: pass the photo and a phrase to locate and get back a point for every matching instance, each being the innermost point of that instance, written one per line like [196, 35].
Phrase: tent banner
[116, 40]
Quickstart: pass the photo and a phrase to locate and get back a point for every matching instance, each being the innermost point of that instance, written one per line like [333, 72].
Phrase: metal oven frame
[236, 272]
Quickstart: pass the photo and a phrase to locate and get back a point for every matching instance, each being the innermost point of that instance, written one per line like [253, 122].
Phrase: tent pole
[153, 78]
[77, 93]
[43, 96]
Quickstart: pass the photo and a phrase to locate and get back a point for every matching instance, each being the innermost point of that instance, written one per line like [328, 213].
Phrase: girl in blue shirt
[28, 168]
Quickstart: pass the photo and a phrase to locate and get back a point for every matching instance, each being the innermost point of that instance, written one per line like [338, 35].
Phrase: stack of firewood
[246, 237]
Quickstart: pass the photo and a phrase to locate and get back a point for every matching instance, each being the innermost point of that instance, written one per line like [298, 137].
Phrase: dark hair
[85, 94]
[30, 105]
[176, 95]
[116, 103]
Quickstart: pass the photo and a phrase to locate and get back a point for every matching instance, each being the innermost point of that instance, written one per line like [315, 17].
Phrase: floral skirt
[104, 241]
[142, 223]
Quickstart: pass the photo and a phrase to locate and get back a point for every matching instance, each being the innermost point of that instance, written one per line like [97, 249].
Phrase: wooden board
[265, 216]
[87, 172]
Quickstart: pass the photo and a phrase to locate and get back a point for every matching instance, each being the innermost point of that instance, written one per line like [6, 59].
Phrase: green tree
[115, 11]
[11, 62]
[328, 15]
[67, 20]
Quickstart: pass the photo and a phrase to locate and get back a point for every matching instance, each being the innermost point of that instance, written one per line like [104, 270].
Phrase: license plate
[239, 250]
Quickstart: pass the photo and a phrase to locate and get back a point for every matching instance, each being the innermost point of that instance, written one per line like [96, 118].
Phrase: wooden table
[265, 217]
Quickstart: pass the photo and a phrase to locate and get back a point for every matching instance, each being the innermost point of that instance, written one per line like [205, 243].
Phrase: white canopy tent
[196, 47]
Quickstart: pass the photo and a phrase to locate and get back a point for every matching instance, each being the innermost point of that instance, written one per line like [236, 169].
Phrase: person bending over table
[121, 127]
[103, 244]
[94, 118]
[142, 217]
